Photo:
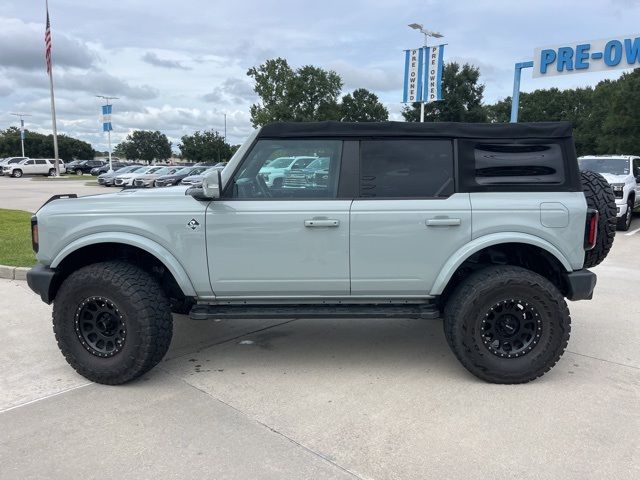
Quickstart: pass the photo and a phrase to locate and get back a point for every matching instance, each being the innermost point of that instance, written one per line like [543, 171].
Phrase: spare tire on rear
[599, 195]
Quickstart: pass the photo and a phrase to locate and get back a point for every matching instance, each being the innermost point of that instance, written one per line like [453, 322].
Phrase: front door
[407, 221]
[274, 240]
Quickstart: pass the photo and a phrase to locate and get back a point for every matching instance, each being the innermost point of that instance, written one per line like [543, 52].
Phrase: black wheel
[624, 222]
[507, 324]
[277, 183]
[17, 173]
[599, 195]
[52, 172]
[78, 172]
[182, 306]
[112, 322]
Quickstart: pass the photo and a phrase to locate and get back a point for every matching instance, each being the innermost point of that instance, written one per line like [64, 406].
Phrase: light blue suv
[489, 227]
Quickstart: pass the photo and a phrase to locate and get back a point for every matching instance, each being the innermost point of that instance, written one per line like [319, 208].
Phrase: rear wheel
[507, 324]
[52, 172]
[112, 322]
[17, 173]
[599, 195]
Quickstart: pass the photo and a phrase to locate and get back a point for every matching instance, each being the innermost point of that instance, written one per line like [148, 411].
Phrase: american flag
[47, 42]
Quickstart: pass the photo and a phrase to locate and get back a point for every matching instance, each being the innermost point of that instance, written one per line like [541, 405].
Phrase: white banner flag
[433, 76]
[413, 72]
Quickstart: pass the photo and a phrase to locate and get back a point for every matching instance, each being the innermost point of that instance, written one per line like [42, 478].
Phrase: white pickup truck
[623, 173]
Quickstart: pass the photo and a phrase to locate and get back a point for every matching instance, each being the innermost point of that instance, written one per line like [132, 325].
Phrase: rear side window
[41, 162]
[416, 168]
[500, 164]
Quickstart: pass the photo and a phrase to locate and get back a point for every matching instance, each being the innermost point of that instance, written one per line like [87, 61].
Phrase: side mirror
[211, 187]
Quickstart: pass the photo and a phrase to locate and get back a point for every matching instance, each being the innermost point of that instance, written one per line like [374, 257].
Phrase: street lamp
[21, 116]
[427, 34]
[108, 99]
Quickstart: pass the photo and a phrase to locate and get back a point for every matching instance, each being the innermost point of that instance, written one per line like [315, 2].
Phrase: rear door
[41, 166]
[408, 220]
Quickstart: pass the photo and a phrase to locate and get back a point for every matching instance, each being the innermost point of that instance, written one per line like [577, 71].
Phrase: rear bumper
[580, 284]
[43, 281]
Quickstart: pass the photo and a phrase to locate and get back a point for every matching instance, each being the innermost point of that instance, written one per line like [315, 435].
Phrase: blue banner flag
[433, 76]
[106, 118]
[423, 74]
[413, 72]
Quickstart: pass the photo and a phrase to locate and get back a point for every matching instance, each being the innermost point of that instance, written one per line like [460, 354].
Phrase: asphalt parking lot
[368, 399]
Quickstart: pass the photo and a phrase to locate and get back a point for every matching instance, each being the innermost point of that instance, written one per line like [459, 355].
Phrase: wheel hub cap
[511, 328]
[100, 326]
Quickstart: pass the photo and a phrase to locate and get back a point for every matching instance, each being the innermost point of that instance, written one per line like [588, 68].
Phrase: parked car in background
[273, 173]
[306, 177]
[623, 174]
[80, 167]
[11, 160]
[33, 166]
[105, 168]
[176, 177]
[126, 179]
[107, 179]
[196, 180]
[148, 179]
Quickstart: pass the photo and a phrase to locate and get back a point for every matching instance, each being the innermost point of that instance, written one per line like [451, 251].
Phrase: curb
[13, 273]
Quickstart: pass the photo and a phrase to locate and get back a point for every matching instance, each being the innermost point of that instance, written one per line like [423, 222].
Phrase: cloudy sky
[180, 66]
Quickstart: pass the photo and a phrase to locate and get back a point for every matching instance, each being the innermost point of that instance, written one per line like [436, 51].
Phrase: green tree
[362, 106]
[205, 146]
[307, 94]
[37, 145]
[462, 98]
[144, 145]
[621, 125]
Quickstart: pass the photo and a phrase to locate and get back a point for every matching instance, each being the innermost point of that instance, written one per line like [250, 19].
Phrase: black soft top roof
[413, 129]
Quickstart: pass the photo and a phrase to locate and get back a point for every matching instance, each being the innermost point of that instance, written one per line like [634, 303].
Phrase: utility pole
[21, 116]
[427, 34]
[108, 104]
[225, 128]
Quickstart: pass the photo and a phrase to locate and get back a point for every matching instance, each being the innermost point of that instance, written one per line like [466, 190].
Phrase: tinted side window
[41, 162]
[508, 164]
[289, 169]
[421, 168]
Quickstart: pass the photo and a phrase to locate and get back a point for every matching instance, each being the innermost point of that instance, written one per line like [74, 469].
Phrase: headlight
[618, 187]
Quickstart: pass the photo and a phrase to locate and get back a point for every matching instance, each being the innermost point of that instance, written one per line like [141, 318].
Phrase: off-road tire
[17, 173]
[599, 195]
[468, 308]
[624, 222]
[146, 316]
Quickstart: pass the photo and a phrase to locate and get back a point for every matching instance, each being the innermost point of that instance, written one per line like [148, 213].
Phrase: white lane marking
[45, 397]
[633, 232]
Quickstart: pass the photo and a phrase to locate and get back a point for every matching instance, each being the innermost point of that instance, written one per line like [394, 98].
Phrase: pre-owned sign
[592, 56]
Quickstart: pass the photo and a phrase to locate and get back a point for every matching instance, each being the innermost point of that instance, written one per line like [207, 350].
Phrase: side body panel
[400, 246]
[556, 218]
[264, 247]
[157, 221]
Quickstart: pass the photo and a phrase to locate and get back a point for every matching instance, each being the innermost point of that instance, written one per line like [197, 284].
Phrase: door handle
[443, 222]
[321, 222]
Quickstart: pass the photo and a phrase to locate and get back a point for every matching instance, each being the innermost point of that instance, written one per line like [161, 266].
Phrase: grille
[295, 181]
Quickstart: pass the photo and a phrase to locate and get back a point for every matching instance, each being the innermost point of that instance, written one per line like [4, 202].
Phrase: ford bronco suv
[487, 226]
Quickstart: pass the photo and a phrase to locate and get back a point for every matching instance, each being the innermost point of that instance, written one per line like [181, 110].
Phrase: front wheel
[507, 324]
[624, 222]
[79, 172]
[17, 173]
[112, 322]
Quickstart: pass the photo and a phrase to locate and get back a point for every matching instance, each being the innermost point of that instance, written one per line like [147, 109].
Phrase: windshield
[282, 162]
[184, 171]
[614, 166]
[125, 169]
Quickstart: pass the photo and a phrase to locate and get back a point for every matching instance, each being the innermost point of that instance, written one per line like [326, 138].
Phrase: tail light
[591, 229]
[34, 234]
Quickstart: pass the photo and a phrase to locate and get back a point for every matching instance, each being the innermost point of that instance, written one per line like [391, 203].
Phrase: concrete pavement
[324, 399]
[27, 194]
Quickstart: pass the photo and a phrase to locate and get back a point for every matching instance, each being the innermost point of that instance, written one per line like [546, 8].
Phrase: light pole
[108, 99]
[427, 34]
[225, 128]
[21, 117]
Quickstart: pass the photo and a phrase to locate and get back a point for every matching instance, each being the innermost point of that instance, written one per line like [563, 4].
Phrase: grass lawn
[43, 178]
[15, 238]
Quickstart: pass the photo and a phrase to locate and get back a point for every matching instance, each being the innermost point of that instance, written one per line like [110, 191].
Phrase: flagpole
[53, 120]
[48, 55]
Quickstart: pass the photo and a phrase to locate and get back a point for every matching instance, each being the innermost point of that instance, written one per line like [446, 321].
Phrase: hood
[611, 178]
